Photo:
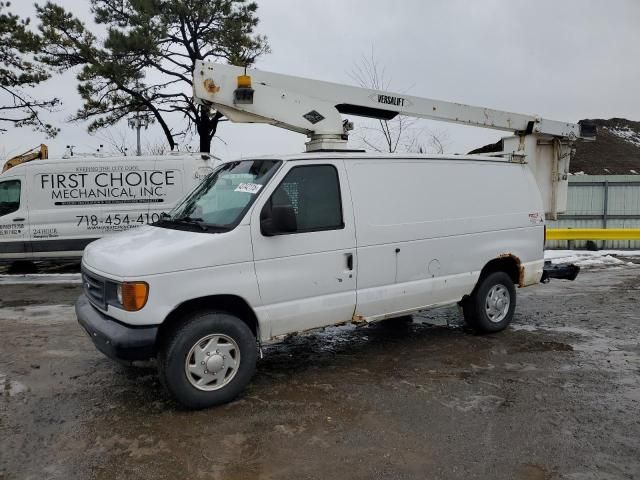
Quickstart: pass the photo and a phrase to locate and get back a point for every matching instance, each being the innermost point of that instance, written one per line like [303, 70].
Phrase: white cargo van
[273, 246]
[54, 208]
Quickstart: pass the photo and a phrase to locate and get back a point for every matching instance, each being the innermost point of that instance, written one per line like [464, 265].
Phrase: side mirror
[282, 220]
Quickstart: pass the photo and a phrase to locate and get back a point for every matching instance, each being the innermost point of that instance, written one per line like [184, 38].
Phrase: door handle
[18, 219]
[349, 261]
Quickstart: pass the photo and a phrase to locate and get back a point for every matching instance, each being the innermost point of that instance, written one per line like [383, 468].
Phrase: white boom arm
[315, 108]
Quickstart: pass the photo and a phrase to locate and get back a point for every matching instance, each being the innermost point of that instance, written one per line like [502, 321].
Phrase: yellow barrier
[593, 233]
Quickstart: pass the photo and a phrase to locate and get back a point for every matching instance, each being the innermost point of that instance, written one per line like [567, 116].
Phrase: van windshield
[223, 197]
[9, 196]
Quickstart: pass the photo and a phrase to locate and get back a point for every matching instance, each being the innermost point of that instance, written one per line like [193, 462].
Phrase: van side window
[9, 196]
[313, 192]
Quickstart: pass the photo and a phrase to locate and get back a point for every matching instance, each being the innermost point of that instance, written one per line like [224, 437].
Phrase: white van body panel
[157, 247]
[71, 202]
[426, 241]
[208, 264]
[420, 231]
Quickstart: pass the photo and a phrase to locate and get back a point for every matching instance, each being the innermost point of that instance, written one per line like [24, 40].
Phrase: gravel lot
[557, 395]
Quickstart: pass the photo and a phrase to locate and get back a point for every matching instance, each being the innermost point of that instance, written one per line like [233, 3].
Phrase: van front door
[13, 219]
[304, 248]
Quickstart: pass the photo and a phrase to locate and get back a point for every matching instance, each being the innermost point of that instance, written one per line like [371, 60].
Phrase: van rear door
[14, 218]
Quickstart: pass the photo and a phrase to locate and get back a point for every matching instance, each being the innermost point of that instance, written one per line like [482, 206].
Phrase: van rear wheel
[208, 360]
[491, 306]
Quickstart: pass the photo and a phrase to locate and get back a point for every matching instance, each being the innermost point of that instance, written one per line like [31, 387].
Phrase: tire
[208, 359]
[491, 306]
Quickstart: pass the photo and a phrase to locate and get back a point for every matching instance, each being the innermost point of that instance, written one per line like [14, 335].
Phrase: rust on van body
[210, 86]
[521, 269]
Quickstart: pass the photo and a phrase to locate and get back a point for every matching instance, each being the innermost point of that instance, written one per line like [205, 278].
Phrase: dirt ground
[557, 395]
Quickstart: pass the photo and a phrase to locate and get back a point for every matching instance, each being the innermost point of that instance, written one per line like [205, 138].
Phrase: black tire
[174, 350]
[475, 306]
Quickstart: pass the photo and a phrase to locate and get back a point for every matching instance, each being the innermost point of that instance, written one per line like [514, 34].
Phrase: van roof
[286, 158]
[372, 156]
[91, 159]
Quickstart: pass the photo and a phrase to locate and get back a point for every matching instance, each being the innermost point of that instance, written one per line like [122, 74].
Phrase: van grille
[94, 288]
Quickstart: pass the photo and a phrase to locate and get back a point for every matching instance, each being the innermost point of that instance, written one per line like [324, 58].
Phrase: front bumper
[114, 339]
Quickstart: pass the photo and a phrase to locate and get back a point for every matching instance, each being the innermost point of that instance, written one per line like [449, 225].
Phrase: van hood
[153, 250]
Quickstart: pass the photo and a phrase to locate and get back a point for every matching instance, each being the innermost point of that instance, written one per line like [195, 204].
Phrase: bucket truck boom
[315, 108]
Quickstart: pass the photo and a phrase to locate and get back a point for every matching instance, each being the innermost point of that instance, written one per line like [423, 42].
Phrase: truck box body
[54, 208]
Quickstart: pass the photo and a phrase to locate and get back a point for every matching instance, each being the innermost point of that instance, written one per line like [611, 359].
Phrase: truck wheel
[208, 360]
[490, 308]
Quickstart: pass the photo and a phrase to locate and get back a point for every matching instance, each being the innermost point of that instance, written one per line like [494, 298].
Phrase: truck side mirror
[282, 220]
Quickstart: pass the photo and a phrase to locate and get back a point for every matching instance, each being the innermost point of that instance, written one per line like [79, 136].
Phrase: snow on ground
[588, 258]
[41, 278]
[627, 134]
[11, 387]
[40, 314]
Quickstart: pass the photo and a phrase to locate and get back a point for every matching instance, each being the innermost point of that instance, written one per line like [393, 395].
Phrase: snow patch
[40, 314]
[41, 278]
[626, 133]
[11, 387]
[587, 258]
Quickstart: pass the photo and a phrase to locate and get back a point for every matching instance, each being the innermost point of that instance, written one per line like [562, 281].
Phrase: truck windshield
[223, 197]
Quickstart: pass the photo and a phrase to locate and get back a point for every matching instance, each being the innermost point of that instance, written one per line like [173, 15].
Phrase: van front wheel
[208, 360]
[490, 308]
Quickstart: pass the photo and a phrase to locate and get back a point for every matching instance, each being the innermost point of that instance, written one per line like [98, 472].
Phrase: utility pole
[137, 122]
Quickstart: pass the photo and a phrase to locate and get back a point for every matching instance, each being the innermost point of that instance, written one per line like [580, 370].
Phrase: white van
[54, 208]
[268, 247]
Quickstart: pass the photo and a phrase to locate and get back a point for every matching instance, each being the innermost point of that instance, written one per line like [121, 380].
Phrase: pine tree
[20, 74]
[146, 61]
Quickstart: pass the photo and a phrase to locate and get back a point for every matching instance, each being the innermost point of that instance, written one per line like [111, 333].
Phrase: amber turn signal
[133, 295]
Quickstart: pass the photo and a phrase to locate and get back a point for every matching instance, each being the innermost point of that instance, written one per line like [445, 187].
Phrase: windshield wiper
[192, 221]
[164, 215]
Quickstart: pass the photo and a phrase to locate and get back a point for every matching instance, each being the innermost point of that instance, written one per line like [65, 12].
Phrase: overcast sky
[563, 60]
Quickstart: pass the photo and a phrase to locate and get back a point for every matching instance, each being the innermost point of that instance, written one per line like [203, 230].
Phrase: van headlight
[131, 296]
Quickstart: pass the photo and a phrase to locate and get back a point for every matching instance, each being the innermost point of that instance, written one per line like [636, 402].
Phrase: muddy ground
[557, 395]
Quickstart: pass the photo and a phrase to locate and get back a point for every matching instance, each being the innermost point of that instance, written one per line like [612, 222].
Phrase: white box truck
[52, 209]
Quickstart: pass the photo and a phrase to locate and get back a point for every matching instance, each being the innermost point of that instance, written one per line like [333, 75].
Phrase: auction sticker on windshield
[248, 188]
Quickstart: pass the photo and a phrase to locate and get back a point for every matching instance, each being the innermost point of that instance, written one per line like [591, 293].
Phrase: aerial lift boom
[315, 108]
[37, 153]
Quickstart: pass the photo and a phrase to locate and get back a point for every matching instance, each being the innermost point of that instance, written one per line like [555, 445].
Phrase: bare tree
[402, 133]
[427, 141]
[116, 139]
[158, 147]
